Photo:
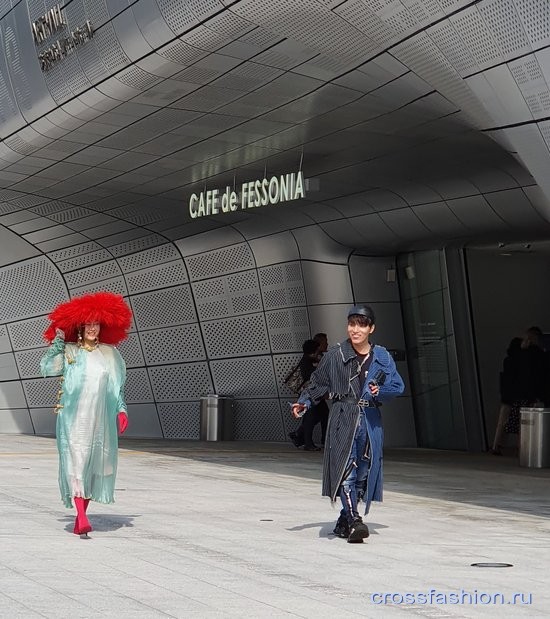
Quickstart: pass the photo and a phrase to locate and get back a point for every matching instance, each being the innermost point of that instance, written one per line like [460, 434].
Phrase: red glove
[122, 422]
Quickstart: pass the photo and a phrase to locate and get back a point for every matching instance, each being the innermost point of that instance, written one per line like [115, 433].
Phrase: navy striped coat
[338, 374]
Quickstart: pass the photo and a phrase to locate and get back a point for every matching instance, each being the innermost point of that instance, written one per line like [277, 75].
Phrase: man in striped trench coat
[358, 377]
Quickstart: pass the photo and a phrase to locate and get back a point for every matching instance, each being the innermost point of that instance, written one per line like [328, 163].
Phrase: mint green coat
[91, 396]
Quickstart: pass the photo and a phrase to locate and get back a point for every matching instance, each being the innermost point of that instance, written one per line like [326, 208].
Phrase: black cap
[362, 310]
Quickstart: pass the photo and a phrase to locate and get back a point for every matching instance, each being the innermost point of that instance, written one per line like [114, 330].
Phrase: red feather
[107, 308]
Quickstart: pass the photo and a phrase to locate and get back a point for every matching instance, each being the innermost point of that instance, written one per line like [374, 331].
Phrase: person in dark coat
[303, 436]
[322, 407]
[358, 377]
[523, 382]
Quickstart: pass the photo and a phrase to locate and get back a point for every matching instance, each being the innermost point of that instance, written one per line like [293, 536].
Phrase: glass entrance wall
[430, 341]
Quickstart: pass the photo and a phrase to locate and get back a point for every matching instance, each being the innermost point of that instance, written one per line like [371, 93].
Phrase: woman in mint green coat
[91, 401]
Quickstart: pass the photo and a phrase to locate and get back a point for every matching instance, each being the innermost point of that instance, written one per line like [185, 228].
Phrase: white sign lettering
[253, 194]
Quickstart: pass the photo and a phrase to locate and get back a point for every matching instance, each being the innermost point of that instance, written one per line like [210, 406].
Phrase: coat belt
[359, 402]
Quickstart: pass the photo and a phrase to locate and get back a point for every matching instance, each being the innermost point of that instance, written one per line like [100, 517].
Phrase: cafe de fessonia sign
[252, 194]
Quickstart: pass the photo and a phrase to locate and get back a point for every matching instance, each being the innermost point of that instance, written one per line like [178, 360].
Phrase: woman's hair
[309, 347]
[514, 346]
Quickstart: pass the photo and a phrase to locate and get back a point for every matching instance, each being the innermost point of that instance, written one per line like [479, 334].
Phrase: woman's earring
[79, 340]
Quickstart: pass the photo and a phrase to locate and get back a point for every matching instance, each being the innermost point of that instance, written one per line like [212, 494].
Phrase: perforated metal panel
[355, 12]
[535, 16]
[455, 49]
[177, 344]
[236, 337]
[130, 349]
[530, 79]
[423, 57]
[135, 245]
[180, 419]
[211, 298]
[101, 272]
[28, 333]
[182, 53]
[70, 214]
[474, 32]
[204, 38]
[85, 260]
[57, 85]
[248, 77]
[109, 47]
[219, 262]
[186, 381]
[321, 30]
[172, 306]
[205, 8]
[116, 285]
[258, 420]
[7, 208]
[50, 207]
[502, 19]
[75, 250]
[282, 285]
[252, 377]
[8, 106]
[28, 202]
[41, 392]
[227, 296]
[24, 281]
[137, 78]
[178, 15]
[155, 277]
[261, 38]
[288, 329]
[148, 258]
[138, 387]
[28, 362]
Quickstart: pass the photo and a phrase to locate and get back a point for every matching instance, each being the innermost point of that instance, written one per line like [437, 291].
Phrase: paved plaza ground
[204, 530]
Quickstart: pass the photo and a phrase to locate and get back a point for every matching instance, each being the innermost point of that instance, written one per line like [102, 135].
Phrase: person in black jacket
[303, 436]
[522, 383]
[322, 410]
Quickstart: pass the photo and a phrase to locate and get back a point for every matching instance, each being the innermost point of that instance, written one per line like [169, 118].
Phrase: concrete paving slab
[240, 530]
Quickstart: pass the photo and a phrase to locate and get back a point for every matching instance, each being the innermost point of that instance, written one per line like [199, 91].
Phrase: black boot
[342, 527]
[358, 531]
[294, 438]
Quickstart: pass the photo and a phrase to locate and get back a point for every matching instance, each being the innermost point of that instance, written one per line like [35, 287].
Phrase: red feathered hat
[110, 310]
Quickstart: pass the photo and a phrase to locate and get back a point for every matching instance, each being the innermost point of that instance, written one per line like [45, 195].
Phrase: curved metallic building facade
[417, 124]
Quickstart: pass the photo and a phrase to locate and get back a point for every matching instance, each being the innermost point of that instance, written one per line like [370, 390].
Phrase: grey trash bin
[534, 443]
[216, 421]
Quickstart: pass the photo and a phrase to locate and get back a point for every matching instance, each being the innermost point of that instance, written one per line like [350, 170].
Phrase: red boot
[81, 526]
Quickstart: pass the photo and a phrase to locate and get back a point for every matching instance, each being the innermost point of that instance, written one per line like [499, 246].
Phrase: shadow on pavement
[461, 477]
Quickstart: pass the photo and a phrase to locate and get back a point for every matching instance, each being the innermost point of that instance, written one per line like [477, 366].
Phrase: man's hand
[298, 410]
[122, 418]
[374, 389]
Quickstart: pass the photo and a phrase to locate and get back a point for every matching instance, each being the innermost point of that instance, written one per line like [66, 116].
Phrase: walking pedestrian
[359, 377]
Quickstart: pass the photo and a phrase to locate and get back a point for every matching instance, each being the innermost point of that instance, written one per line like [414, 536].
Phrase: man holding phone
[358, 377]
